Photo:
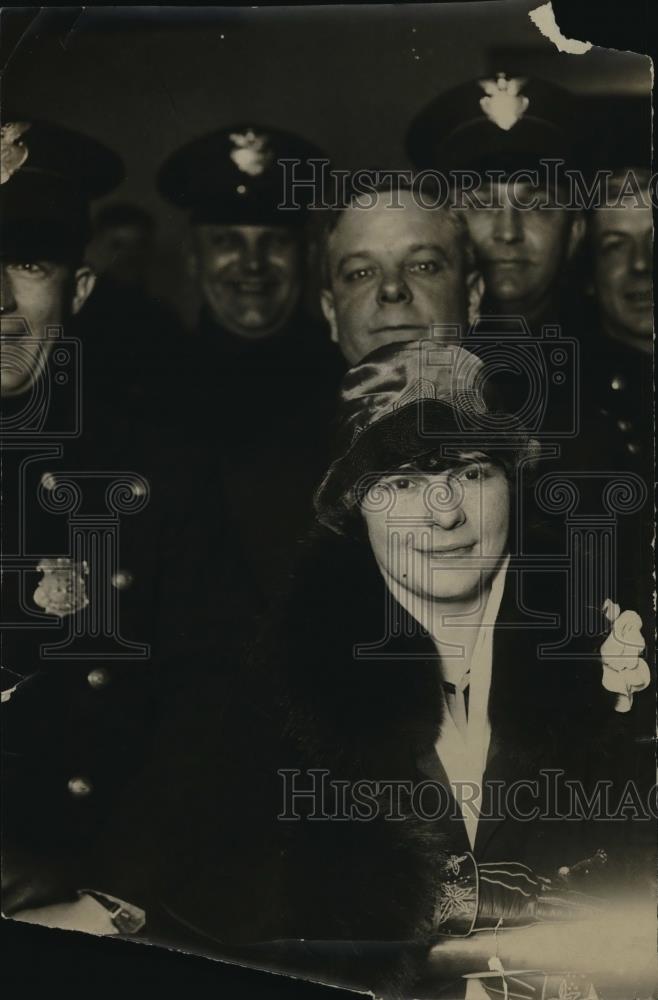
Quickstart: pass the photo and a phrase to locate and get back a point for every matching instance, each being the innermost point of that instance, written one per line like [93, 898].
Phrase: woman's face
[440, 535]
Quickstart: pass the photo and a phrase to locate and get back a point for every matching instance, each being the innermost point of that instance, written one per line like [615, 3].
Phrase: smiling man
[393, 270]
[261, 378]
[246, 255]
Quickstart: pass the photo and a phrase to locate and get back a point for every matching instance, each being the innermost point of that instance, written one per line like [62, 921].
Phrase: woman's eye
[402, 483]
[473, 473]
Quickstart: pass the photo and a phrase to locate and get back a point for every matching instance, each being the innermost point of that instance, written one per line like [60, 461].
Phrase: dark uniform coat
[269, 404]
[154, 601]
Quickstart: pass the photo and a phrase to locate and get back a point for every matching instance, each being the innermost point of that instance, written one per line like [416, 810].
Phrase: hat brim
[407, 433]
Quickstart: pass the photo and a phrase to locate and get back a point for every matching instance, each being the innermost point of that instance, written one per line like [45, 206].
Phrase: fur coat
[328, 688]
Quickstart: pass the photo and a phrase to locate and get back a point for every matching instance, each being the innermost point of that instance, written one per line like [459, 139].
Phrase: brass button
[99, 677]
[122, 579]
[617, 383]
[80, 787]
[624, 425]
[633, 447]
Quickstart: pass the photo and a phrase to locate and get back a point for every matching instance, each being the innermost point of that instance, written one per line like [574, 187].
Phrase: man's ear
[474, 293]
[576, 234]
[83, 285]
[329, 311]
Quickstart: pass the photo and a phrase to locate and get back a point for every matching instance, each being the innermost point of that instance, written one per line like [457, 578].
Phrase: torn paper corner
[544, 18]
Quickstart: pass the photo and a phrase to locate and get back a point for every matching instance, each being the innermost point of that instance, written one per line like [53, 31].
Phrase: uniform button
[122, 579]
[624, 425]
[99, 677]
[80, 787]
[633, 447]
[617, 383]
[48, 481]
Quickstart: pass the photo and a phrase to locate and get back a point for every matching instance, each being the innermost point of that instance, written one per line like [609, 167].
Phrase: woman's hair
[347, 518]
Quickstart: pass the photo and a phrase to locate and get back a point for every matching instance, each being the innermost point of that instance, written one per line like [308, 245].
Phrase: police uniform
[267, 402]
[120, 571]
[618, 392]
[501, 124]
[617, 140]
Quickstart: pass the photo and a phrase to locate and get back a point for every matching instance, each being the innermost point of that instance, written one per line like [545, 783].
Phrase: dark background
[146, 80]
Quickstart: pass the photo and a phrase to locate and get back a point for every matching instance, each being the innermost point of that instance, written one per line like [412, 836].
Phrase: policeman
[618, 325]
[255, 346]
[117, 557]
[617, 318]
[514, 138]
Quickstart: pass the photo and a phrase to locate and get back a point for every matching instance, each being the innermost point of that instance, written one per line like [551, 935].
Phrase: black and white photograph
[327, 444]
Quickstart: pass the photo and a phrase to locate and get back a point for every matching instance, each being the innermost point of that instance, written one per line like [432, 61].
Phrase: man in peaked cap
[618, 326]
[246, 251]
[49, 176]
[267, 375]
[616, 331]
[93, 633]
[496, 127]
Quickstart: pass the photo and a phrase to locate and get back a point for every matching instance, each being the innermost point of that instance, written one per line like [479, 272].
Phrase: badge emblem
[251, 154]
[503, 105]
[13, 153]
[62, 591]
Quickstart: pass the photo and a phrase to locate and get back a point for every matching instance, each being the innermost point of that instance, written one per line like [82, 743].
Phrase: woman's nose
[444, 505]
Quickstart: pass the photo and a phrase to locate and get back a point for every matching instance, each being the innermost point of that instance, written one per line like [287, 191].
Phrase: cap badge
[251, 154]
[13, 153]
[503, 105]
[62, 590]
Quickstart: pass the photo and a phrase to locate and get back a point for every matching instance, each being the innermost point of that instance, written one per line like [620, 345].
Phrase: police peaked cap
[49, 176]
[497, 122]
[233, 176]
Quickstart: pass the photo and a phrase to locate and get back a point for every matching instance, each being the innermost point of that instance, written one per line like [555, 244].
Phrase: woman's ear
[83, 285]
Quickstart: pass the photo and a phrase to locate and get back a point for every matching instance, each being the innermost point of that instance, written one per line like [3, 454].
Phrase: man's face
[394, 272]
[521, 252]
[441, 536]
[250, 276]
[36, 296]
[622, 245]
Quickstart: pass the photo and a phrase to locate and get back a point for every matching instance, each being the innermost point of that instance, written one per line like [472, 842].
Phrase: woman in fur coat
[405, 757]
